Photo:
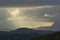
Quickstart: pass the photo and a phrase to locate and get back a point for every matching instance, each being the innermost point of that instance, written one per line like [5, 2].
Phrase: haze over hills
[27, 30]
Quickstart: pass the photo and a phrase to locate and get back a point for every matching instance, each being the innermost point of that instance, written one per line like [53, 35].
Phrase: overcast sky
[30, 13]
[28, 2]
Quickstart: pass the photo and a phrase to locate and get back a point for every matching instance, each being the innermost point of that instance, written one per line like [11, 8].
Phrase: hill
[23, 34]
[54, 36]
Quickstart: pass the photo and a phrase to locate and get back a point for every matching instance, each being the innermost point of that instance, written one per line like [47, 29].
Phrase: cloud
[30, 17]
[24, 3]
[4, 24]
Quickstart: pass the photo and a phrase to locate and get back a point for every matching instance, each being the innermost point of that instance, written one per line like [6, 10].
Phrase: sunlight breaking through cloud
[29, 17]
[20, 20]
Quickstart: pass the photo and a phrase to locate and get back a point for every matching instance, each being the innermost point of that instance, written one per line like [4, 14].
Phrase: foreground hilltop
[54, 36]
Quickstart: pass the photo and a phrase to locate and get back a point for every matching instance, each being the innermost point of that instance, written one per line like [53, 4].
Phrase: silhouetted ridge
[29, 31]
[23, 29]
[22, 34]
[54, 36]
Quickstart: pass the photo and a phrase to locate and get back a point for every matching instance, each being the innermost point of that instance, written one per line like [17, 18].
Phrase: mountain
[23, 34]
[27, 30]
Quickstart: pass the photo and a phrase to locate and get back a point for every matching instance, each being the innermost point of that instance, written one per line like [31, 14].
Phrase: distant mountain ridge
[23, 34]
[27, 30]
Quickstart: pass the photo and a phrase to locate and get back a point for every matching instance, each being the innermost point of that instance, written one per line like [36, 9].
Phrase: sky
[34, 14]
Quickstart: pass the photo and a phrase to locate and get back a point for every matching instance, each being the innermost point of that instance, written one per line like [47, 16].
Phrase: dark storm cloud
[28, 2]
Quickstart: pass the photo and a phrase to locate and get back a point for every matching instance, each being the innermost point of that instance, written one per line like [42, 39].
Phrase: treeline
[54, 36]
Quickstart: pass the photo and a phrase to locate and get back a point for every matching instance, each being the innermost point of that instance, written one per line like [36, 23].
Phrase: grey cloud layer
[28, 2]
[39, 13]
